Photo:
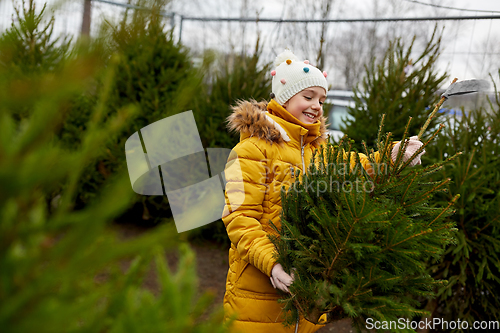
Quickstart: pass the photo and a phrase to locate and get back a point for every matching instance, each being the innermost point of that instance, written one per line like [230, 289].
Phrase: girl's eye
[307, 97]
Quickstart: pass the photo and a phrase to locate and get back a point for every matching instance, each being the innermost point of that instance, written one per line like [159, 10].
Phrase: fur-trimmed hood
[252, 118]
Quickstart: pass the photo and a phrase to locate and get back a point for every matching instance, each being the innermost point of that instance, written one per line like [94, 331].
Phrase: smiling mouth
[310, 116]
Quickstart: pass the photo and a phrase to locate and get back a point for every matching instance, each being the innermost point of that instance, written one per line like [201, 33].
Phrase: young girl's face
[307, 105]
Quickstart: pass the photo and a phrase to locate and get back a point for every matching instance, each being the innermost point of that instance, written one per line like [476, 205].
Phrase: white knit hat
[292, 76]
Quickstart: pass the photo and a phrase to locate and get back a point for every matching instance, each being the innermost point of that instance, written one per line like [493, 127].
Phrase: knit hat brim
[299, 86]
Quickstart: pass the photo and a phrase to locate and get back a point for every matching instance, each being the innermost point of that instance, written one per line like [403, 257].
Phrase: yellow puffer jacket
[273, 144]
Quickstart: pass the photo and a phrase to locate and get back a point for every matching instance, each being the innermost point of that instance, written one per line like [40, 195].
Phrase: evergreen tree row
[471, 266]
[64, 113]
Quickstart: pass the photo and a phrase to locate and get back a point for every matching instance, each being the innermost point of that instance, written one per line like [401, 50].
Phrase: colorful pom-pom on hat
[290, 76]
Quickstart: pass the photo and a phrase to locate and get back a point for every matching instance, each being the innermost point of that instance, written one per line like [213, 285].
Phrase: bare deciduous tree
[342, 49]
[486, 58]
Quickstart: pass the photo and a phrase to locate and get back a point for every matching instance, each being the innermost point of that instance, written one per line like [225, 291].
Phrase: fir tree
[399, 86]
[358, 242]
[155, 74]
[65, 270]
[154, 71]
[29, 45]
[229, 78]
[473, 265]
[29, 49]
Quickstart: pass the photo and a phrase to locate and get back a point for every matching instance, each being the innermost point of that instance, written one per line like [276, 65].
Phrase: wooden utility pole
[86, 17]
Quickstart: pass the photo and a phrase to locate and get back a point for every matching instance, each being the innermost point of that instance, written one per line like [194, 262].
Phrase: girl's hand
[413, 145]
[280, 279]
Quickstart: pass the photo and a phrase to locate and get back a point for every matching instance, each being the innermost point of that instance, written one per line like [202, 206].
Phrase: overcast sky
[470, 49]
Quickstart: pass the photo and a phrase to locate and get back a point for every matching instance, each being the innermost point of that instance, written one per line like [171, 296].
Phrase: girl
[276, 138]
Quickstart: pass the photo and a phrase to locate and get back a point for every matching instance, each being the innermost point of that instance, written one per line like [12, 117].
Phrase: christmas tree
[400, 85]
[472, 267]
[358, 241]
[65, 269]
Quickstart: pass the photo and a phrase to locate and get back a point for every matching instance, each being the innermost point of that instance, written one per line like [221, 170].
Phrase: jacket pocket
[250, 279]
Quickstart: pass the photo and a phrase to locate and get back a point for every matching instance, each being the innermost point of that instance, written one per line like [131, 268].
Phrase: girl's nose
[316, 105]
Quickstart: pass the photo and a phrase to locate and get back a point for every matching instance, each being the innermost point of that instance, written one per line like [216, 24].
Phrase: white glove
[413, 145]
[280, 279]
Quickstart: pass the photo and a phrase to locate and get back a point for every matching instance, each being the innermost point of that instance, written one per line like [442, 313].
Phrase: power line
[126, 5]
[388, 19]
[485, 53]
[454, 8]
[246, 19]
